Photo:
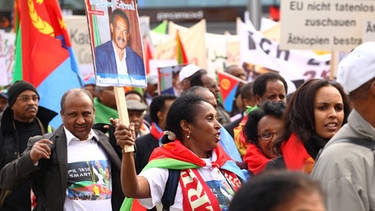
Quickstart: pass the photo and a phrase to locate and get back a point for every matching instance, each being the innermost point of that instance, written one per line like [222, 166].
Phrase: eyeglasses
[26, 98]
[267, 136]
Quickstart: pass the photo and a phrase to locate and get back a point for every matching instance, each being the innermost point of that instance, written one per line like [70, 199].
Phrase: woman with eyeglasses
[262, 128]
[315, 113]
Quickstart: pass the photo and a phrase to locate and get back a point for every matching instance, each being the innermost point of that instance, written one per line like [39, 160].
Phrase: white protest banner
[159, 39]
[368, 32]
[233, 51]
[166, 50]
[7, 50]
[79, 35]
[334, 25]
[3, 72]
[193, 41]
[155, 64]
[256, 49]
[216, 52]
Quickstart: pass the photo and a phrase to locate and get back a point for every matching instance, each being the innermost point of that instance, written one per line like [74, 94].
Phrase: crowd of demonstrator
[283, 148]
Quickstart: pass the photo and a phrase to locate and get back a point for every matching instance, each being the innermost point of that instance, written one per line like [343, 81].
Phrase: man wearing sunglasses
[23, 118]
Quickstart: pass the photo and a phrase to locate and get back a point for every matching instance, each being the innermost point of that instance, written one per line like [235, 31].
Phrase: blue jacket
[105, 60]
[169, 91]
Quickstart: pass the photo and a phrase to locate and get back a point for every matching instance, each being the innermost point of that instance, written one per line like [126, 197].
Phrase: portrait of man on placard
[118, 57]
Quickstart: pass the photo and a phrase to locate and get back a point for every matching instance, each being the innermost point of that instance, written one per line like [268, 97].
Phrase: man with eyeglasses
[115, 57]
[22, 119]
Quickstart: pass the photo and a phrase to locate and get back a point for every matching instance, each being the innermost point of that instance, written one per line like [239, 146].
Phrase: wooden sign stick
[122, 110]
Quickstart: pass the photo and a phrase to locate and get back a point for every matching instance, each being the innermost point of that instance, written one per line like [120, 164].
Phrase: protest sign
[7, 49]
[334, 25]
[79, 35]
[292, 64]
[117, 46]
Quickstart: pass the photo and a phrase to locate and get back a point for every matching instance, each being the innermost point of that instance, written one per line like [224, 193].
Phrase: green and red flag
[180, 51]
[44, 54]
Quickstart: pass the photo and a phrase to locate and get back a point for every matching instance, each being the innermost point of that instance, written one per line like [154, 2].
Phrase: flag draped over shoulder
[44, 54]
[228, 85]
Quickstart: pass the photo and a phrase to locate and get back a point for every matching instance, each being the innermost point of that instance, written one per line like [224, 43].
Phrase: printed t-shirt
[157, 178]
[89, 176]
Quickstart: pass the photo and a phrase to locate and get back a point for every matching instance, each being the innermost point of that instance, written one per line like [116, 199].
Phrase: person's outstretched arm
[132, 185]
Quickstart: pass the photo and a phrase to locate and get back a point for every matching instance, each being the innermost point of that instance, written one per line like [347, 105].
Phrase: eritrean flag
[228, 85]
[44, 54]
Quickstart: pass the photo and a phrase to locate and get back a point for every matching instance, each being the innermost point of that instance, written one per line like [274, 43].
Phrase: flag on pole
[181, 55]
[44, 54]
[228, 85]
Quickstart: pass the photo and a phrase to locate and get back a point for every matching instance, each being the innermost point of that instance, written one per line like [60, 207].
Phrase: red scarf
[255, 159]
[156, 132]
[178, 151]
[296, 156]
[195, 192]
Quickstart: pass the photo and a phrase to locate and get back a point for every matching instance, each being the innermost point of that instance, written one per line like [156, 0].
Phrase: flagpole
[255, 10]
[122, 110]
[333, 64]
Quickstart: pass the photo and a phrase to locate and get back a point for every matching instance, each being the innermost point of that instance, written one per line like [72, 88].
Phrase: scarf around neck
[296, 156]
[314, 145]
[175, 155]
[255, 159]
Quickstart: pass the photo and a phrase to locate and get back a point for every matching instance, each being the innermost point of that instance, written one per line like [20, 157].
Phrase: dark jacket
[169, 91]
[144, 146]
[9, 150]
[105, 60]
[49, 178]
[276, 164]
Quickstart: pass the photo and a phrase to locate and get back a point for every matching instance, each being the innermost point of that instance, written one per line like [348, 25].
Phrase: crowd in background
[280, 148]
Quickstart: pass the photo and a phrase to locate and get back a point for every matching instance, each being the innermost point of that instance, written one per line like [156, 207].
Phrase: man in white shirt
[73, 168]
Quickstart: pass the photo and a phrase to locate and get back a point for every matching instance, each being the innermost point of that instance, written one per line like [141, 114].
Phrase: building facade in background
[220, 14]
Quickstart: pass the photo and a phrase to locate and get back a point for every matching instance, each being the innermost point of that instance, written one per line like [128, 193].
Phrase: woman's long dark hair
[299, 114]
